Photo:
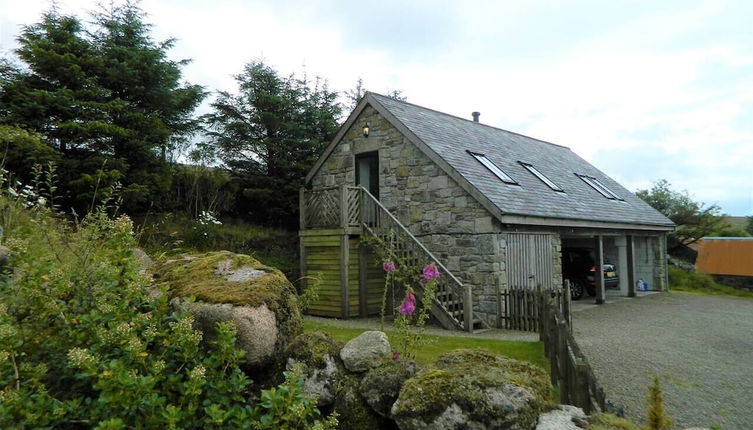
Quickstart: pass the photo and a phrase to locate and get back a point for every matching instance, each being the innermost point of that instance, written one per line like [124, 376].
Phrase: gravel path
[701, 347]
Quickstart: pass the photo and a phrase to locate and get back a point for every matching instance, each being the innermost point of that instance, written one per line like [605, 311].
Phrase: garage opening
[579, 262]
[629, 264]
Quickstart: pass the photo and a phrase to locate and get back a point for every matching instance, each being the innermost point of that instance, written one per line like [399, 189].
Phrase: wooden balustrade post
[343, 206]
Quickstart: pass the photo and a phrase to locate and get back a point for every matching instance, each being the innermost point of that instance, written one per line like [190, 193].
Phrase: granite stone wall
[447, 220]
[651, 261]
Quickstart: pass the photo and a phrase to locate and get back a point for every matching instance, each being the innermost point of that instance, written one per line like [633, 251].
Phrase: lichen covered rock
[317, 354]
[257, 332]
[381, 385]
[235, 287]
[473, 389]
[352, 410]
[366, 351]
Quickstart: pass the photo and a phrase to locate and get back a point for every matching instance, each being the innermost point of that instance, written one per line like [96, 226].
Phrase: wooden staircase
[452, 304]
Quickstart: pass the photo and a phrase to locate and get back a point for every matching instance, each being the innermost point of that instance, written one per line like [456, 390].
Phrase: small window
[598, 186]
[541, 176]
[493, 168]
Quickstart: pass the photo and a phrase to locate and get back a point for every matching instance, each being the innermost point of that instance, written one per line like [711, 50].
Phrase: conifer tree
[656, 419]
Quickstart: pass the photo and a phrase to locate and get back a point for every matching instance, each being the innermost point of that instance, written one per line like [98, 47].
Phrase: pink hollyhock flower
[409, 304]
[431, 271]
[395, 356]
[388, 266]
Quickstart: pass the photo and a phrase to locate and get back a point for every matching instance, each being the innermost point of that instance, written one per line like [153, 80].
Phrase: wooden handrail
[465, 293]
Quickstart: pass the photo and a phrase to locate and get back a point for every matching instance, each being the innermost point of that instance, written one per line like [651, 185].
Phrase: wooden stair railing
[453, 302]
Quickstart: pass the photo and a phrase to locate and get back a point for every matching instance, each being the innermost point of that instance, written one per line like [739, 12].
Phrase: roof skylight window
[493, 168]
[541, 176]
[598, 186]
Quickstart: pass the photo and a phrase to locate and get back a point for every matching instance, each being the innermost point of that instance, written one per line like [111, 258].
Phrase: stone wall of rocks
[651, 261]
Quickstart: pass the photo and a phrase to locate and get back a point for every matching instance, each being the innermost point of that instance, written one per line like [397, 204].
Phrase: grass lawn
[532, 352]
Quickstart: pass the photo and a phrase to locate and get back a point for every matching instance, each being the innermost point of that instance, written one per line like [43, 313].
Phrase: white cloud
[637, 78]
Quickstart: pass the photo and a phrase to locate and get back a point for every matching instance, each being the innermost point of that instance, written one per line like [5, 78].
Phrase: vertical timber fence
[523, 306]
[570, 370]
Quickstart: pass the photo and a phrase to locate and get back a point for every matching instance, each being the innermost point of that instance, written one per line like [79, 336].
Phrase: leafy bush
[82, 342]
[700, 283]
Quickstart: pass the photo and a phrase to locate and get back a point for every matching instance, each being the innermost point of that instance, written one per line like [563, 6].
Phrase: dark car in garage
[578, 267]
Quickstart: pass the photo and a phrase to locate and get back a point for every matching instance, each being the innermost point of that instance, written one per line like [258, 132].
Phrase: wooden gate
[530, 273]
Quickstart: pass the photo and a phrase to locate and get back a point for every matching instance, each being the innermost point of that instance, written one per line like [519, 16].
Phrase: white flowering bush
[207, 218]
[83, 344]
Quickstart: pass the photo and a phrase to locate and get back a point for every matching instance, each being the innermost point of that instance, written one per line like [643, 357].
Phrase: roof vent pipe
[475, 116]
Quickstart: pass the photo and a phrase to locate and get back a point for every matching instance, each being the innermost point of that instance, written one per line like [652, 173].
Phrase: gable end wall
[463, 235]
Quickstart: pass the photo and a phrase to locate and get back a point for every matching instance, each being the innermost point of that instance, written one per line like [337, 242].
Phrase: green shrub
[700, 283]
[655, 417]
[83, 344]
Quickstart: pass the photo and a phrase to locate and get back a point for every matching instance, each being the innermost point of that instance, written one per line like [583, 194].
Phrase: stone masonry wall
[448, 221]
[650, 261]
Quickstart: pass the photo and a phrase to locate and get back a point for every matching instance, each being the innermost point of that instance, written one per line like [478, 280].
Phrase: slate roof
[451, 137]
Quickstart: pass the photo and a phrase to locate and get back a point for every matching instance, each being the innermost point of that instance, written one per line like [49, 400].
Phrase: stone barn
[495, 210]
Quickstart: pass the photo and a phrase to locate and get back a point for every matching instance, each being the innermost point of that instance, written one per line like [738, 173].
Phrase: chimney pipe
[475, 116]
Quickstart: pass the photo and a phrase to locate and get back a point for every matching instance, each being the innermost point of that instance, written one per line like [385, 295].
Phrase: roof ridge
[466, 119]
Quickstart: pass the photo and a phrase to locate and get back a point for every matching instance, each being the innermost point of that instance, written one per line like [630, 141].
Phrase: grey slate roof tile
[451, 137]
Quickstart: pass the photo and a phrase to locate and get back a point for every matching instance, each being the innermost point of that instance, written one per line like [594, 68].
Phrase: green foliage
[655, 417]
[287, 407]
[177, 233]
[269, 134]
[694, 219]
[82, 343]
[749, 225]
[604, 421]
[410, 316]
[700, 283]
[101, 94]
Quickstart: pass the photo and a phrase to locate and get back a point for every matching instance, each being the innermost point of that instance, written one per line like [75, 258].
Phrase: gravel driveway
[701, 347]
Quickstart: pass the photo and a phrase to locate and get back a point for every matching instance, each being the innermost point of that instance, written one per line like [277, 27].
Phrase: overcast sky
[642, 89]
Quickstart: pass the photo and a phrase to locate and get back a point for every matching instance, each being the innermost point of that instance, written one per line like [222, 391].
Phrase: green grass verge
[701, 284]
[532, 352]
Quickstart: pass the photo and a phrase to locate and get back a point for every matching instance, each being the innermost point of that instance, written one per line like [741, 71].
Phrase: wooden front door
[367, 172]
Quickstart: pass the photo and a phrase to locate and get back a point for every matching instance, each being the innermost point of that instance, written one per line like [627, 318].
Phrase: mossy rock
[318, 356]
[312, 348]
[352, 410]
[609, 422]
[490, 368]
[237, 280]
[473, 388]
[381, 385]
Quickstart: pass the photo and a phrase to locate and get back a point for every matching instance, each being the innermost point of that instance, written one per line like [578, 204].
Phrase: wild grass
[700, 283]
[170, 234]
[532, 352]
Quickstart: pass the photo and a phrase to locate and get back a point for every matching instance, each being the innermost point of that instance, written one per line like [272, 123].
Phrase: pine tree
[106, 97]
[270, 134]
[656, 419]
